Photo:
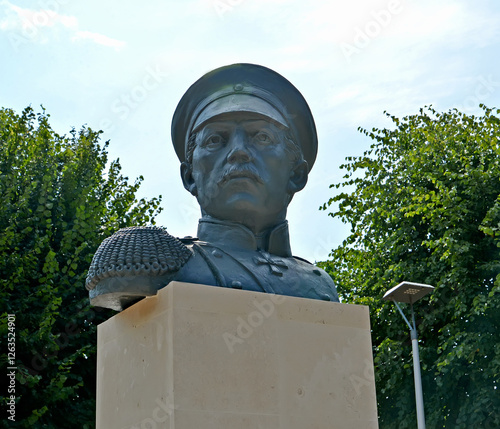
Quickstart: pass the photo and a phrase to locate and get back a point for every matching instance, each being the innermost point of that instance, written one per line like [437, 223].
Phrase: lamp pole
[409, 293]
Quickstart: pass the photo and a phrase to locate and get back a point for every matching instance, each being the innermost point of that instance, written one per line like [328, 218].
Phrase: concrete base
[204, 357]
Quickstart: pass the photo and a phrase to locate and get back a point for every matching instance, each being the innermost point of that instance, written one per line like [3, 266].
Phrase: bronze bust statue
[246, 141]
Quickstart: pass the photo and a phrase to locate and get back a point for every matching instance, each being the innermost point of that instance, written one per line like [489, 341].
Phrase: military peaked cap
[245, 88]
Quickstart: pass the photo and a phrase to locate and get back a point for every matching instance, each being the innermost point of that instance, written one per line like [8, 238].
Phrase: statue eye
[263, 138]
[214, 141]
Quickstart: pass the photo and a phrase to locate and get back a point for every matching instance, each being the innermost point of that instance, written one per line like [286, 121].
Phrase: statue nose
[239, 150]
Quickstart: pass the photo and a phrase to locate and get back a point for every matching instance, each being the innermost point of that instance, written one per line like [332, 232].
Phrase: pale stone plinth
[203, 357]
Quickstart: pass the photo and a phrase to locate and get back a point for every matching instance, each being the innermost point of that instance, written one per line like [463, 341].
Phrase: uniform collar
[234, 235]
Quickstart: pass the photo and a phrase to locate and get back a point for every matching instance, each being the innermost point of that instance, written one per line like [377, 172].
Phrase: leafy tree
[424, 205]
[57, 205]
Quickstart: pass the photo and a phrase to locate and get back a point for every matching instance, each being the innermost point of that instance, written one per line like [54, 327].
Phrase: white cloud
[21, 18]
[43, 18]
[100, 39]
[28, 24]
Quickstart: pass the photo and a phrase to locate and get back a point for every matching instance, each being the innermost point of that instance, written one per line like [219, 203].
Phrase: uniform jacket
[228, 254]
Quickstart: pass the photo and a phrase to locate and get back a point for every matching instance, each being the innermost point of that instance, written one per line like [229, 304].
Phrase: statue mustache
[235, 172]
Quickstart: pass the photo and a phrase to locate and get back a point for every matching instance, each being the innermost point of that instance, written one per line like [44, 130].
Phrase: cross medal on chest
[274, 263]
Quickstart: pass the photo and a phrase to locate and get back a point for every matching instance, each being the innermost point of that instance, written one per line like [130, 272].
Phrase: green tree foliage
[58, 202]
[424, 205]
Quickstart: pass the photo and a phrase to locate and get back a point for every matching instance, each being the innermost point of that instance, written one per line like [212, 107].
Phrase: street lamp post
[410, 293]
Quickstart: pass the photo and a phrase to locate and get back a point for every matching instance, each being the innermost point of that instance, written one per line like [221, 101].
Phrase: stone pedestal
[204, 357]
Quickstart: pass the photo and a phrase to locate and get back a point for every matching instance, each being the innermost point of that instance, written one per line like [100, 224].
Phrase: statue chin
[248, 208]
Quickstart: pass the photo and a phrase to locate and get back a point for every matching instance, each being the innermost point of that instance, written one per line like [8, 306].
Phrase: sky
[122, 66]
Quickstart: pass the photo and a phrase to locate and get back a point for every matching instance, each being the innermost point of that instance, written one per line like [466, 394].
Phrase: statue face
[242, 171]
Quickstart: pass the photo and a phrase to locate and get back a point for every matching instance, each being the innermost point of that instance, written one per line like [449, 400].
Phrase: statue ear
[298, 177]
[188, 179]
